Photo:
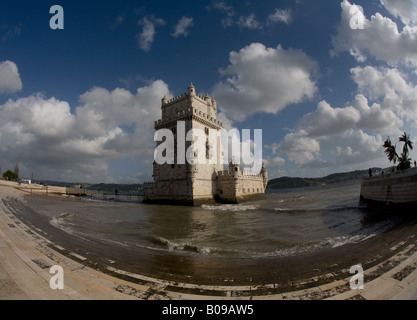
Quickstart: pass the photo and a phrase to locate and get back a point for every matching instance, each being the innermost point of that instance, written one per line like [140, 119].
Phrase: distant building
[194, 184]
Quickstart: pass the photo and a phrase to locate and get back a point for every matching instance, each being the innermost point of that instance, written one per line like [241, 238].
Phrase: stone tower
[185, 182]
[182, 182]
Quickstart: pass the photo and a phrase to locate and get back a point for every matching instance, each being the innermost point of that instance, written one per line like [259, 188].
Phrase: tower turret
[234, 169]
[191, 90]
[214, 105]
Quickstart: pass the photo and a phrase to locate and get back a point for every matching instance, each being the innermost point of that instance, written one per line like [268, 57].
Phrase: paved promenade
[26, 256]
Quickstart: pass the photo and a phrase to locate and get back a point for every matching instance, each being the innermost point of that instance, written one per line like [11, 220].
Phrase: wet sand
[315, 275]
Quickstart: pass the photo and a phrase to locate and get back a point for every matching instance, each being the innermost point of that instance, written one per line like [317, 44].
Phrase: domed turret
[164, 100]
[191, 90]
[234, 169]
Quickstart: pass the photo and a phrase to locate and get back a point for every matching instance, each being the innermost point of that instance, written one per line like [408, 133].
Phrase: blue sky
[78, 104]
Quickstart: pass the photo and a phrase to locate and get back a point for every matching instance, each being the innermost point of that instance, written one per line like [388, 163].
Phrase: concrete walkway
[26, 257]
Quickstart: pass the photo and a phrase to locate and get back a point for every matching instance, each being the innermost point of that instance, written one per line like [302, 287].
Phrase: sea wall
[399, 187]
[38, 189]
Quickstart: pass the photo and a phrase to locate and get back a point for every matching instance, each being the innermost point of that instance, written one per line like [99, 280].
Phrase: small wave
[182, 245]
[297, 210]
[340, 241]
[229, 207]
[60, 220]
[61, 223]
[296, 249]
[281, 209]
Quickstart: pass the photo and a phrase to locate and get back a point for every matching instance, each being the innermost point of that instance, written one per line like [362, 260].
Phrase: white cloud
[227, 12]
[379, 38]
[182, 28]
[280, 15]
[119, 20]
[356, 146]
[406, 10]
[275, 166]
[354, 134]
[299, 148]
[327, 120]
[10, 81]
[261, 79]
[274, 162]
[346, 148]
[390, 87]
[43, 136]
[249, 22]
[9, 31]
[146, 37]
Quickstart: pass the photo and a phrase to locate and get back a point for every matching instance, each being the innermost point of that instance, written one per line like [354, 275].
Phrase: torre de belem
[185, 183]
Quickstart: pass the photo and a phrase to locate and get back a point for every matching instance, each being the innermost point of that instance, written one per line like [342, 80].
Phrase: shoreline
[389, 261]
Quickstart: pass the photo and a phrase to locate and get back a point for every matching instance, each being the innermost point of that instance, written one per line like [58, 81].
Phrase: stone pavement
[26, 257]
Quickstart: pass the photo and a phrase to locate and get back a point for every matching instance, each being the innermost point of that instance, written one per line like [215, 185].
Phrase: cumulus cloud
[226, 10]
[10, 81]
[299, 148]
[355, 146]
[182, 27]
[261, 79]
[406, 10]
[146, 37]
[379, 38]
[280, 15]
[385, 101]
[249, 22]
[43, 136]
[390, 87]
[348, 135]
[354, 133]
[327, 120]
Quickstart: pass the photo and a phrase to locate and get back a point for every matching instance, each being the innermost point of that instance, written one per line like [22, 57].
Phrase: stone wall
[391, 188]
[236, 186]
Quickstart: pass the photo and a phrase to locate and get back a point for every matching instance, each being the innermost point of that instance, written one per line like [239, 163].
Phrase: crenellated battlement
[226, 174]
[183, 96]
[167, 102]
[189, 112]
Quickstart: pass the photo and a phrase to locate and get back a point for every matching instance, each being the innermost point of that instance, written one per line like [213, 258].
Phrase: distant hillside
[102, 187]
[122, 188]
[289, 182]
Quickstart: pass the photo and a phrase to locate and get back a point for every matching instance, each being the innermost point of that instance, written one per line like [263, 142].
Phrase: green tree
[404, 162]
[10, 175]
[390, 151]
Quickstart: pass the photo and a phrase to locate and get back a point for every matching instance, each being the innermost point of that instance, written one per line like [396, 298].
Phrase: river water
[287, 222]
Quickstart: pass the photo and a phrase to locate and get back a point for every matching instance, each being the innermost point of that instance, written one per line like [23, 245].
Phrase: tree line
[12, 175]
